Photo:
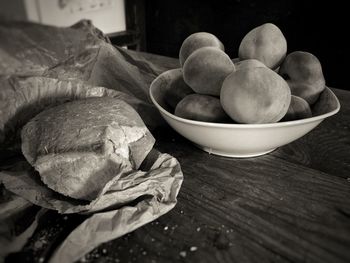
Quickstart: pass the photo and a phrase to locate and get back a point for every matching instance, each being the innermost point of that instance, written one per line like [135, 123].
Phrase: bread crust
[78, 146]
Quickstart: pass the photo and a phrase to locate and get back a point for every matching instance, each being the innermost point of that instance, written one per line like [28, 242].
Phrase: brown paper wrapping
[42, 66]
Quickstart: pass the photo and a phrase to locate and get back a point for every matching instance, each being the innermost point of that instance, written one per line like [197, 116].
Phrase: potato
[201, 108]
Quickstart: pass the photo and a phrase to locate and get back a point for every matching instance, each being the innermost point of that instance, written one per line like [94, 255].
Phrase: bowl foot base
[233, 154]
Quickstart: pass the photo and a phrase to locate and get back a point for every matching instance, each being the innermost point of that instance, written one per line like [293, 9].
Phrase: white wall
[107, 15]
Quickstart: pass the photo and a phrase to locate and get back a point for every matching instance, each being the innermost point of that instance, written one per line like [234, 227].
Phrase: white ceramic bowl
[240, 140]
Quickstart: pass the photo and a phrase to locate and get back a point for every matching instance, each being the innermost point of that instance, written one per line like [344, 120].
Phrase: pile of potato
[263, 85]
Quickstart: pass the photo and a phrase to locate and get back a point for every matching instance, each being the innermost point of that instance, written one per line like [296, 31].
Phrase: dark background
[318, 27]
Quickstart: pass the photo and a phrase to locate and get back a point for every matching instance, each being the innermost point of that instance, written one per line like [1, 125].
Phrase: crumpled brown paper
[12, 210]
[74, 63]
[159, 179]
[156, 189]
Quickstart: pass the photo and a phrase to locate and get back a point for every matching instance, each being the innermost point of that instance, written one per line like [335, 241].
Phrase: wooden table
[292, 205]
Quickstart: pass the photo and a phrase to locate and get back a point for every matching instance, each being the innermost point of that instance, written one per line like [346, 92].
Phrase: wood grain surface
[292, 205]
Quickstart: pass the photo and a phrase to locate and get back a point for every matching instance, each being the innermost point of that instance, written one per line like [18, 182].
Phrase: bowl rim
[243, 125]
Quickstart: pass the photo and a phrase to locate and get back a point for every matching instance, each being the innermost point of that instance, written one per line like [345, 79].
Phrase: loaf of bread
[23, 98]
[78, 146]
